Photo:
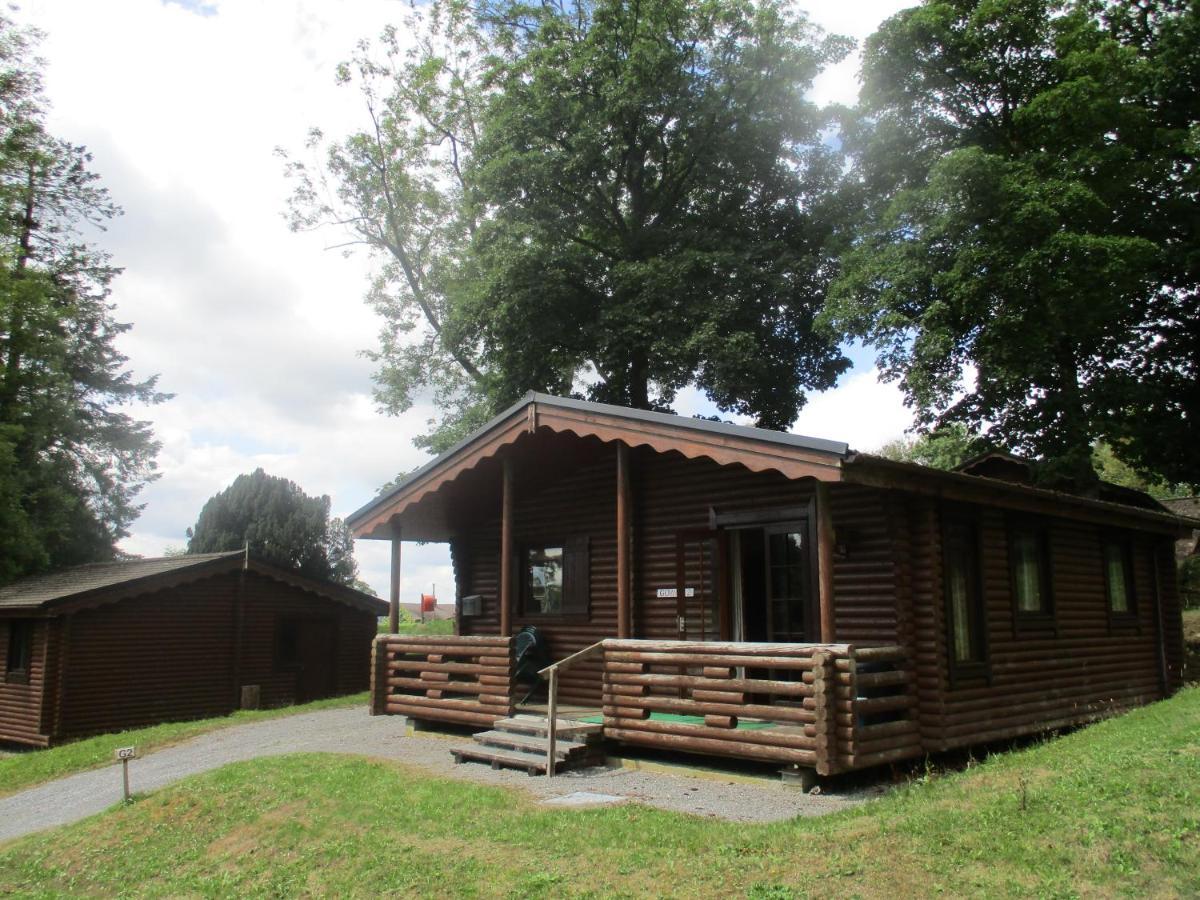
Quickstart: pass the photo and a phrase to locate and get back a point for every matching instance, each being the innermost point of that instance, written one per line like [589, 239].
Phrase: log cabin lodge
[725, 590]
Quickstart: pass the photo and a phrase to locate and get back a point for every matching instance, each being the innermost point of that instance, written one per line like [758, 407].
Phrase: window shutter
[576, 575]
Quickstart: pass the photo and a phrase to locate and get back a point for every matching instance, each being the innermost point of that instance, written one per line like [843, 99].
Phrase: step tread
[516, 759]
[566, 728]
[531, 742]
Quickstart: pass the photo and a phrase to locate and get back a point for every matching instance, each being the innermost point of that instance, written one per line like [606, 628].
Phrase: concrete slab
[585, 798]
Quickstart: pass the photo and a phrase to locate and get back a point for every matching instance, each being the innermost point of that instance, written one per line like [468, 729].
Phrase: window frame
[1040, 528]
[955, 523]
[576, 584]
[1125, 545]
[19, 630]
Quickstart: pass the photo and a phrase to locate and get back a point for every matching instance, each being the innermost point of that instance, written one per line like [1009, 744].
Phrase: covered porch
[827, 707]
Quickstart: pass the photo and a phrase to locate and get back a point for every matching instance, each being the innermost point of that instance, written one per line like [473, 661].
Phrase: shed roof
[114, 580]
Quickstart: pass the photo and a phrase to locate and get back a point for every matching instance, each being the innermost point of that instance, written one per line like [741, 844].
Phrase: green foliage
[946, 448]
[281, 525]
[71, 464]
[1026, 260]
[650, 171]
[1113, 809]
[1114, 470]
[602, 197]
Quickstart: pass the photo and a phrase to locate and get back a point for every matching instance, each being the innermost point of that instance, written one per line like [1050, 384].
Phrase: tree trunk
[639, 381]
[16, 323]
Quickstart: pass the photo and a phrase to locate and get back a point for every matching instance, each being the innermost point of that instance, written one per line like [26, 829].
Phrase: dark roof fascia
[820, 445]
[860, 461]
[140, 585]
[339, 592]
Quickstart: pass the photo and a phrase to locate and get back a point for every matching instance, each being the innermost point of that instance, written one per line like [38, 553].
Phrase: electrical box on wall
[471, 605]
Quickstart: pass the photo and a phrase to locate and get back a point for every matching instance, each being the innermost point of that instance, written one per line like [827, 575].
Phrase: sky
[258, 331]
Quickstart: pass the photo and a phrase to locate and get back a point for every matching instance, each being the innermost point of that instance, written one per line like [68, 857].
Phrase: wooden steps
[521, 742]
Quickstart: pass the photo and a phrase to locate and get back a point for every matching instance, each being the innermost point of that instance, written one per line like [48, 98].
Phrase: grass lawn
[1113, 809]
[20, 770]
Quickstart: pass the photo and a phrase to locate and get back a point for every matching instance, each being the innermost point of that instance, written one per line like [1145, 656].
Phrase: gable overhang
[960, 487]
[411, 505]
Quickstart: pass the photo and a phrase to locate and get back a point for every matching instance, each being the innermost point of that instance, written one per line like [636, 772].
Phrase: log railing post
[552, 723]
[823, 685]
[379, 676]
[825, 539]
[624, 540]
[394, 593]
[506, 550]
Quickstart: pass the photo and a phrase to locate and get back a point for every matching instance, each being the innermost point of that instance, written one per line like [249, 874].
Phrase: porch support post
[506, 550]
[825, 540]
[394, 594]
[624, 541]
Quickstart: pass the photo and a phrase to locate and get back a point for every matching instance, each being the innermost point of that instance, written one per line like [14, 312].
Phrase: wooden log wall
[150, 659]
[670, 494]
[462, 680]
[583, 503]
[265, 603]
[22, 705]
[1076, 668]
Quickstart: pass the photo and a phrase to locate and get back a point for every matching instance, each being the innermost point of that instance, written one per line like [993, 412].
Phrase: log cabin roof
[96, 583]
[418, 504]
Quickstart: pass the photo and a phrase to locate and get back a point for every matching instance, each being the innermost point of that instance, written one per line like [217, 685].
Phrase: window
[1029, 561]
[20, 651]
[544, 580]
[555, 578]
[1118, 577]
[287, 644]
[965, 618]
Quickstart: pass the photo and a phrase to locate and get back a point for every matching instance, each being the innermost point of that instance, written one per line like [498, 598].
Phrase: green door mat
[684, 720]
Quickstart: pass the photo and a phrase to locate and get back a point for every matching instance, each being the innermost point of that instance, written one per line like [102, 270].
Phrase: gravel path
[353, 731]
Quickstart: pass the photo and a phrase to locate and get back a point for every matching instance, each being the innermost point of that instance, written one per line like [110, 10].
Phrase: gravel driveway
[353, 731]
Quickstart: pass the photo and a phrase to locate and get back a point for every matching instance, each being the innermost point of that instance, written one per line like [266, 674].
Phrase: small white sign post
[125, 754]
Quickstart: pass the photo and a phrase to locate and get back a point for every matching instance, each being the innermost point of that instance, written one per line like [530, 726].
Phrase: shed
[108, 646]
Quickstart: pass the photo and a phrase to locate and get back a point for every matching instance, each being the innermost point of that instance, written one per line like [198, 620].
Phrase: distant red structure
[428, 603]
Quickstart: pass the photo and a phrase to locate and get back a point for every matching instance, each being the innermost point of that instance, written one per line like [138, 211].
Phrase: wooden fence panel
[462, 680]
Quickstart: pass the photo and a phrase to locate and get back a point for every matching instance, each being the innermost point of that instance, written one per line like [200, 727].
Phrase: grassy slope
[35, 766]
[1113, 809]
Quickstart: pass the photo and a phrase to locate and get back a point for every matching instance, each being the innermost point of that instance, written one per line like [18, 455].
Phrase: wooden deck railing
[804, 704]
[443, 678]
[550, 673]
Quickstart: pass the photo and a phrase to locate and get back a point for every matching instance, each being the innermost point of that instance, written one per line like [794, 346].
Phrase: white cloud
[254, 328]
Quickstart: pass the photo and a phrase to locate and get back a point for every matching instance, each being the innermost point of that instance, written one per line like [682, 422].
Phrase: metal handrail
[550, 673]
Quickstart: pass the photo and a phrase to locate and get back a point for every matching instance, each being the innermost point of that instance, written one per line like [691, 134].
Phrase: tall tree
[602, 197]
[653, 173]
[71, 463]
[280, 524]
[1027, 260]
[399, 188]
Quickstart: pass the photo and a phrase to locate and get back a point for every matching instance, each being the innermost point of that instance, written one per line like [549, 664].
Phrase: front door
[790, 610]
[317, 653]
[698, 604]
